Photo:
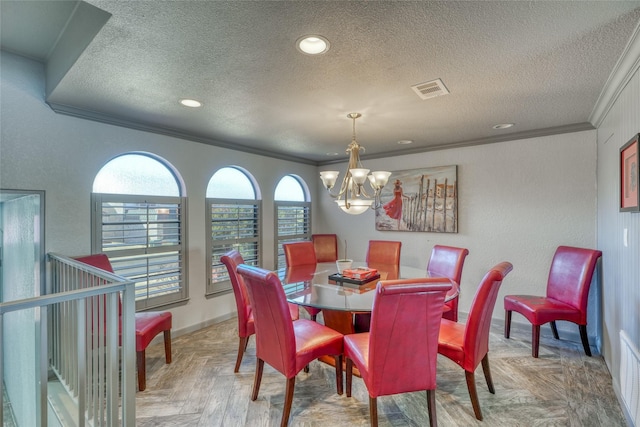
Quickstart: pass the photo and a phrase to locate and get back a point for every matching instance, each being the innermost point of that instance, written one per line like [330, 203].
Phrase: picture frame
[422, 200]
[629, 176]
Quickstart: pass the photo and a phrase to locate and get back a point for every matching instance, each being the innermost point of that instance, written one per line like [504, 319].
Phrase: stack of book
[360, 273]
[358, 276]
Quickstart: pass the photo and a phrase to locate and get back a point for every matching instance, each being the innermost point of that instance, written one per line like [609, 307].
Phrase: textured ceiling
[540, 65]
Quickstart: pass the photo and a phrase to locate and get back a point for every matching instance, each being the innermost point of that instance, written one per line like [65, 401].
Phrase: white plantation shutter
[293, 224]
[234, 224]
[144, 237]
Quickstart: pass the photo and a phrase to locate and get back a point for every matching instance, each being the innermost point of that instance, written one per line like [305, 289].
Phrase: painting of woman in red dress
[394, 207]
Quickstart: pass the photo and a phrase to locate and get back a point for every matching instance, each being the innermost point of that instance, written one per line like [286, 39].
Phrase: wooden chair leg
[142, 370]
[349, 375]
[507, 323]
[338, 359]
[487, 374]
[242, 345]
[288, 399]
[585, 339]
[167, 346]
[431, 408]
[535, 340]
[257, 379]
[554, 330]
[373, 411]
[471, 385]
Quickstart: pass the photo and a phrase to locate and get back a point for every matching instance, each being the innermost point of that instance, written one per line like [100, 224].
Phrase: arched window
[234, 210]
[293, 214]
[138, 222]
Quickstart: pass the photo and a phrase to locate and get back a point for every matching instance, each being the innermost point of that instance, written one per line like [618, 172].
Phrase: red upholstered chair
[447, 261]
[148, 323]
[393, 357]
[383, 255]
[246, 327]
[468, 344]
[567, 296]
[326, 247]
[285, 345]
[297, 254]
[385, 252]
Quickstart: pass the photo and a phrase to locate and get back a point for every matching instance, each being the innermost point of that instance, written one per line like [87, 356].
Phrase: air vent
[430, 89]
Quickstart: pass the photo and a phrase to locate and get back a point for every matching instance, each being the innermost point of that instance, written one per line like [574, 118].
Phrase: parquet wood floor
[562, 387]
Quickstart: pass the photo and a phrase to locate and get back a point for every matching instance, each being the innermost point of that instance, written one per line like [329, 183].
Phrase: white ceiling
[541, 65]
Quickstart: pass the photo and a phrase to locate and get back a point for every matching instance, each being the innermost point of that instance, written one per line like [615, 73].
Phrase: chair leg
[431, 408]
[535, 340]
[257, 379]
[507, 323]
[288, 400]
[487, 374]
[554, 330]
[349, 375]
[242, 345]
[167, 346]
[471, 385]
[373, 411]
[338, 359]
[585, 339]
[142, 370]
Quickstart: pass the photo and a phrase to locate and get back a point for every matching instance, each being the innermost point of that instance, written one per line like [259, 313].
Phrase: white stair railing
[78, 333]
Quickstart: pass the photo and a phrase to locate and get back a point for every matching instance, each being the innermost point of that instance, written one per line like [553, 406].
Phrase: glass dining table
[311, 286]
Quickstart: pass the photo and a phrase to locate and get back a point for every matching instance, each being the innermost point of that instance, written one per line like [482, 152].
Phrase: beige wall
[42, 150]
[621, 263]
[517, 202]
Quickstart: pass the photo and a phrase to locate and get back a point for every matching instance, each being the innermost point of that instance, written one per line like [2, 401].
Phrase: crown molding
[625, 68]
[118, 121]
[557, 130]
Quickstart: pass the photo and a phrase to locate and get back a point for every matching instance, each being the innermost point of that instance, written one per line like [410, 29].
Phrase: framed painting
[629, 177]
[420, 200]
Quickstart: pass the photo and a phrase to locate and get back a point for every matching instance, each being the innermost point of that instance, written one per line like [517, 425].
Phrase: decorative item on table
[343, 264]
[360, 273]
[344, 280]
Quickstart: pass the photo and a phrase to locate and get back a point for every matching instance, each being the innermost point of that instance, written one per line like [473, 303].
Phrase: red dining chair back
[246, 327]
[566, 299]
[468, 344]
[326, 247]
[447, 261]
[391, 357]
[297, 254]
[386, 252]
[285, 345]
[148, 323]
[383, 255]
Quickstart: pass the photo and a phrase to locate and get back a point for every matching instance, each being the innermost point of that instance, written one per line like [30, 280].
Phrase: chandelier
[353, 198]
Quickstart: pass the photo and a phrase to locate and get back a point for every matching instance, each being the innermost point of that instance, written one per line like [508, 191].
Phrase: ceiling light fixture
[190, 103]
[503, 126]
[352, 197]
[405, 142]
[313, 45]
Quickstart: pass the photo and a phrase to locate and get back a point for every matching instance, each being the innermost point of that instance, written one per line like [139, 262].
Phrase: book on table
[357, 276]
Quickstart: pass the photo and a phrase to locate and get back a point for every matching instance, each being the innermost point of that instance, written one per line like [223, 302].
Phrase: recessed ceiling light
[405, 142]
[190, 103]
[503, 126]
[332, 154]
[312, 45]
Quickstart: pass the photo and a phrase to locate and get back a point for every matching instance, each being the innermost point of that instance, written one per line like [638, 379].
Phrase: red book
[360, 273]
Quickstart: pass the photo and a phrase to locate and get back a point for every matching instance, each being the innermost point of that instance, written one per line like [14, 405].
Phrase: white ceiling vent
[430, 89]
